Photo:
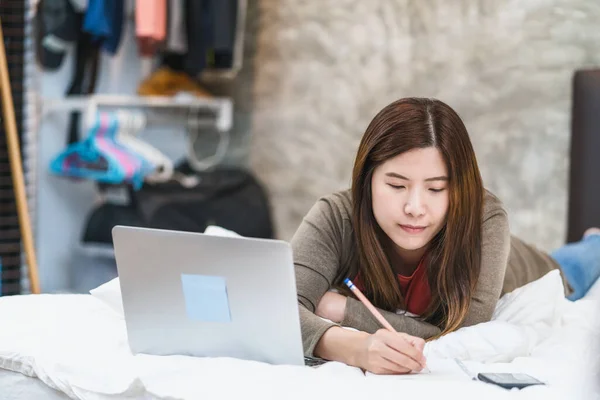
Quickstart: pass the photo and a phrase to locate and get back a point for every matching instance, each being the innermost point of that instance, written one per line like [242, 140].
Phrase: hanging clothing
[150, 25]
[84, 79]
[211, 34]
[225, 20]
[104, 21]
[176, 35]
[58, 25]
[79, 5]
[197, 26]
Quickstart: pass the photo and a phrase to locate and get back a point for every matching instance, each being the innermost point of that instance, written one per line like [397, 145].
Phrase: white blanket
[78, 344]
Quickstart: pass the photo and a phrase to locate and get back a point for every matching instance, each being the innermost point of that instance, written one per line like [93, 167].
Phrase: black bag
[227, 197]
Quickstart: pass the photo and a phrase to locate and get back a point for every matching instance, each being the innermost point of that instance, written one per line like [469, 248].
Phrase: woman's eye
[437, 190]
[396, 186]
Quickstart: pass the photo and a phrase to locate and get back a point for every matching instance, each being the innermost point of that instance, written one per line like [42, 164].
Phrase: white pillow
[522, 319]
[538, 302]
[110, 292]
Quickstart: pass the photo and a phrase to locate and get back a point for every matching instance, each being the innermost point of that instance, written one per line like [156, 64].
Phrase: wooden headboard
[584, 175]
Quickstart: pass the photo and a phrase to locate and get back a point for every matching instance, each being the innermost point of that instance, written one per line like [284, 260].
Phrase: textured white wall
[324, 68]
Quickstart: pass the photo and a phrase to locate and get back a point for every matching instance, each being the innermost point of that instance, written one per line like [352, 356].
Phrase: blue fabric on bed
[580, 262]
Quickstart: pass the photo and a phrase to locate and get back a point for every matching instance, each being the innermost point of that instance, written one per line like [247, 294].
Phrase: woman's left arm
[352, 313]
[495, 249]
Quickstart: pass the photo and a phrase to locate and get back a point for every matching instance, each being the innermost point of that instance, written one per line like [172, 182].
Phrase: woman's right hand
[391, 353]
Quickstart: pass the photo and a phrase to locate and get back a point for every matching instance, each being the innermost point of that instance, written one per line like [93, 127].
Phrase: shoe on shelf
[167, 82]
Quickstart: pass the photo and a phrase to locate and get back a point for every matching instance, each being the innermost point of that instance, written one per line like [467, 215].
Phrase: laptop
[208, 296]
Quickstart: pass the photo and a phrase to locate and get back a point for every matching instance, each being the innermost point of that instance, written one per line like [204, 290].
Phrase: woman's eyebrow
[395, 175]
[435, 178]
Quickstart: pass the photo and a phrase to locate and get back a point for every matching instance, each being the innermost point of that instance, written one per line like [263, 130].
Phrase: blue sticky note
[206, 298]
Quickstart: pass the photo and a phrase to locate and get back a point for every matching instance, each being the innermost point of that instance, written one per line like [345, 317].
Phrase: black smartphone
[509, 381]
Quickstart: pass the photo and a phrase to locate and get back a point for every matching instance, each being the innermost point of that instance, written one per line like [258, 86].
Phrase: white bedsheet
[16, 386]
[78, 345]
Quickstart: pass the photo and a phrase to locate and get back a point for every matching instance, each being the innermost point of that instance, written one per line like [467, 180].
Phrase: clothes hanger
[161, 166]
[132, 164]
[165, 170]
[141, 166]
[194, 126]
[87, 160]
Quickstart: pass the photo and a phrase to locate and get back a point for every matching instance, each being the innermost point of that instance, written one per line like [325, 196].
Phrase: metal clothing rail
[215, 112]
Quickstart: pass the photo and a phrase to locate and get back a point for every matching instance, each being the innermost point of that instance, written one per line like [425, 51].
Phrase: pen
[372, 309]
[369, 306]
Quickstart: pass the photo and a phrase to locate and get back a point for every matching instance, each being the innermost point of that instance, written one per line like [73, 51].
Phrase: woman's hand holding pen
[383, 352]
[390, 353]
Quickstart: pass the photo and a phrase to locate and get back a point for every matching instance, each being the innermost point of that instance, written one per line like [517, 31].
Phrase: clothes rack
[211, 114]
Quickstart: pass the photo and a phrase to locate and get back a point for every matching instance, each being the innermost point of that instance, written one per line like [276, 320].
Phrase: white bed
[76, 344]
[16, 386]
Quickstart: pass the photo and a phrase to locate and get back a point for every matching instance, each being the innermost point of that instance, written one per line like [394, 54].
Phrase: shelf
[220, 110]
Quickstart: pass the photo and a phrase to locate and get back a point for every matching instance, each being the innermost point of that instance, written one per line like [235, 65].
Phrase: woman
[416, 232]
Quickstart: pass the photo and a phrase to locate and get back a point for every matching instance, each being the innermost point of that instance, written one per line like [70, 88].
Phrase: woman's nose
[414, 205]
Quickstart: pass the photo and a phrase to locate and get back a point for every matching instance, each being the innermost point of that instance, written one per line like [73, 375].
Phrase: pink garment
[150, 24]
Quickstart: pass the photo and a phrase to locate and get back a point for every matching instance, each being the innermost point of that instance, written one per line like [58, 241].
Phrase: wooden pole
[14, 154]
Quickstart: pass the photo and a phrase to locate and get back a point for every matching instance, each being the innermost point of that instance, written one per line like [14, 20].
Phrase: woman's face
[410, 197]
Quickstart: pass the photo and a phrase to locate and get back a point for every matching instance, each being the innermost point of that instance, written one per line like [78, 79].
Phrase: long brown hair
[454, 254]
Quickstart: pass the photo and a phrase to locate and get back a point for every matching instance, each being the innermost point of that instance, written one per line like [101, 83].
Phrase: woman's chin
[411, 243]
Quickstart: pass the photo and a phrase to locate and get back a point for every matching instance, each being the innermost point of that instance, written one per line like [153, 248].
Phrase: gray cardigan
[324, 255]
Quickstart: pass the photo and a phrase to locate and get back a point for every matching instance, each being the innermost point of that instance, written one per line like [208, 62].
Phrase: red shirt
[414, 288]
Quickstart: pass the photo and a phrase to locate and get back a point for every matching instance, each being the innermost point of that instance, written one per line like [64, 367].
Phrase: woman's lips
[412, 229]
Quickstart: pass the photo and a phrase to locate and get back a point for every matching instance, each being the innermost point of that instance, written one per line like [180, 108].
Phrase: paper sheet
[438, 369]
